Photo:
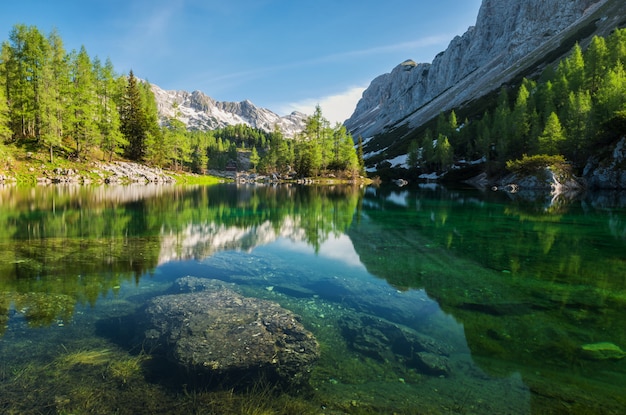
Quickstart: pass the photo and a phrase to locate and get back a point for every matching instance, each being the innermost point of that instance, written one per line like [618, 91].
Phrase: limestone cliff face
[506, 32]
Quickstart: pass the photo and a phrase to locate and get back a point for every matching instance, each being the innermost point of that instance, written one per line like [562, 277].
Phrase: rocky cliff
[509, 35]
[200, 112]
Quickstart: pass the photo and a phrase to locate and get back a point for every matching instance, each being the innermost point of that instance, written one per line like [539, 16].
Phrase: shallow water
[507, 289]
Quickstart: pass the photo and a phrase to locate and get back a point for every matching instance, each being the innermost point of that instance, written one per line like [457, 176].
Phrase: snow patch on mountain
[199, 111]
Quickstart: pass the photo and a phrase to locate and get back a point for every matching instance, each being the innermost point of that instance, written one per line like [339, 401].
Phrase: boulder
[212, 330]
[607, 171]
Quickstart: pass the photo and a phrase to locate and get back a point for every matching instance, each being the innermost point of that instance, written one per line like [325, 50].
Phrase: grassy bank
[26, 168]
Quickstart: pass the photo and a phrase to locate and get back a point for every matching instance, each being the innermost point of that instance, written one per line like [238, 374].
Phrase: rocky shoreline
[118, 172]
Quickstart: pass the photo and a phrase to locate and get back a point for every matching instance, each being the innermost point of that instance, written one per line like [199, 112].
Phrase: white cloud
[335, 108]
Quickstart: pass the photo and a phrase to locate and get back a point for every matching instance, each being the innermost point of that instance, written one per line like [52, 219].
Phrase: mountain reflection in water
[423, 300]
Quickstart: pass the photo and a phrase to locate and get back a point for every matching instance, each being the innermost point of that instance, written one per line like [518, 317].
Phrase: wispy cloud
[402, 46]
[244, 76]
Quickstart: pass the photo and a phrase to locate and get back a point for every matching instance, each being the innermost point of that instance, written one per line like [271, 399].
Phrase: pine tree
[616, 43]
[444, 154]
[55, 96]
[5, 131]
[428, 149]
[111, 138]
[317, 130]
[545, 101]
[575, 69]
[177, 140]
[578, 124]
[611, 95]
[254, 158]
[24, 59]
[133, 120]
[413, 154]
[83, 105]
[484, 141]
[551, 139]
[596, 59]
[520, 122]
[199, 157]
[346, 158]
[501, 126]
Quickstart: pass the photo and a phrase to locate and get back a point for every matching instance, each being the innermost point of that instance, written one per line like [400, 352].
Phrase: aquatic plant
[86, 357]
[126, 369]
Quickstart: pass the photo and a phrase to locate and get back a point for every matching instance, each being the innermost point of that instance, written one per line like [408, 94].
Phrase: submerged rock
[215, 331]
[432, 364]
[602, 351]
[385, 341]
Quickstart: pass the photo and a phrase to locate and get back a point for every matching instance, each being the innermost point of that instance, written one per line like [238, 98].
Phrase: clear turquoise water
[508, 289]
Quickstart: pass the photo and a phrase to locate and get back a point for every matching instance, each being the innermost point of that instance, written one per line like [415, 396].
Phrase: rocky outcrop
[127, 172]
[210, 329]
[506, 33]
[200, 112]
[608, 171]
[545, 179]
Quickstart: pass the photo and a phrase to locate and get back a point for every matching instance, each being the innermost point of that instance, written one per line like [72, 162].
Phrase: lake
[522, 296]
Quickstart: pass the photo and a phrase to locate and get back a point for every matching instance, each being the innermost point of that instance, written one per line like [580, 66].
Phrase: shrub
[531, 164]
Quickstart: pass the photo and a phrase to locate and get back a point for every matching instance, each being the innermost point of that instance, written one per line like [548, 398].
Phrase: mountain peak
[199, 111]
[506, 34]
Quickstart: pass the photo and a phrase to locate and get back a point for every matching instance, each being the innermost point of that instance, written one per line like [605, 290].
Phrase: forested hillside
[69, 105]
[571, 110]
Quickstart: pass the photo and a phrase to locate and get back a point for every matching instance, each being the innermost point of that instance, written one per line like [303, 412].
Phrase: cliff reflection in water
[60, 246]
[531, 287]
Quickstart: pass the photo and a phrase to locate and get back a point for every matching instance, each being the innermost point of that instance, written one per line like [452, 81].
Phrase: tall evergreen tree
[611, 95]
[177, 140]
[413, 154]
[551, 140]
[616, 43]
[24, 58]
[317, 131]
[484, 141]
[575, 69]
[577, 126]
[254, 158]
[520, 122]
[444, 153]
[55, 94]
[5, 130]
[596, 60]
[501, 126]
[345, 157]
[428, 149]
[83, 105]
[112, 140]
[133, 120]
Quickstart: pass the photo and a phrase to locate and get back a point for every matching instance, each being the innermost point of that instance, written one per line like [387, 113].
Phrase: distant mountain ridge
[199, 111]
[511, 37]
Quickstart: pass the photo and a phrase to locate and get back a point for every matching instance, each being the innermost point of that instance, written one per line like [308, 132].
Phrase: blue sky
[281, 55]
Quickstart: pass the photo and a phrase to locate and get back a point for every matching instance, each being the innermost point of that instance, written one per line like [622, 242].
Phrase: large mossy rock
[213, 330]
